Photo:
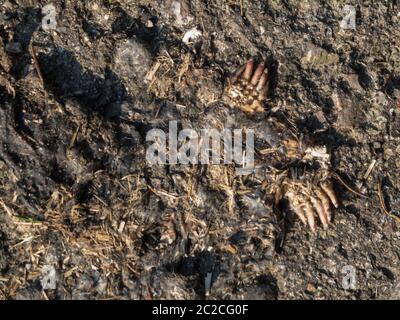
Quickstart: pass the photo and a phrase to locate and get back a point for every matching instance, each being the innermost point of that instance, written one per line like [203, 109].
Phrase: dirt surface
[82, 214]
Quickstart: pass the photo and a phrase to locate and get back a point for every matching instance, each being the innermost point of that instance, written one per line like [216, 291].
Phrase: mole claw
[309, 200]
[247, 88]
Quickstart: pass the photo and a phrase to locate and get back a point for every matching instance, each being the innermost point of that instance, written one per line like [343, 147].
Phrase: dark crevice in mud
[392, 85]
[16, 158]
[60, 174]
[19, 117]
[92, 30]
[29, 21]
[203, 265]
[4, 251]
[21, 127]
[390, 195]
[135, 27]
[387, 273]
[84, 192]
[269, 287]
[317, 97]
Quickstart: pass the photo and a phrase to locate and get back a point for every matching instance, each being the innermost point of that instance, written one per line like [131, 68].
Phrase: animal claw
[257, 74]
[309, 201]
[249, 70]
[248, 88]
[263, 81]
[327, 187]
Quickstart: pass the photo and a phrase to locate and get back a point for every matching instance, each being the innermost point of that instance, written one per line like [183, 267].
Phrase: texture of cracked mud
[83, 216]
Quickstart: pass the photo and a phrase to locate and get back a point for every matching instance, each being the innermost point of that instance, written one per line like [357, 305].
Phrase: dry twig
[347, 187]
[383, 206]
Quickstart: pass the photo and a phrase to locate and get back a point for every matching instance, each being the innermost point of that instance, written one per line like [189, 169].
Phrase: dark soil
[83, 215]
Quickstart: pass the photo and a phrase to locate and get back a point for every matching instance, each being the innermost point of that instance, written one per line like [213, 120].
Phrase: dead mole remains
[84, 215]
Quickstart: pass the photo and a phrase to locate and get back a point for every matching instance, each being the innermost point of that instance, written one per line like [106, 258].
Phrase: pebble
[377, 145]
[149, 24]
[352, 80]
[14, 48]
[49, 275]
[311, 288]
[180, 10]
[191, 35]
[388, 153]
[328, 33]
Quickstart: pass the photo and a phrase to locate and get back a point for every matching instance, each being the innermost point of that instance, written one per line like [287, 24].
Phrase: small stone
[180, 11]
[311, 288]
[352, 80]
[388, 153]
[49, 281]
[191, 35]
[14, 48]
[319, 57]
[320, 116]
[328, 33]
[101, 286]
[377, 145]
[149, 24]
